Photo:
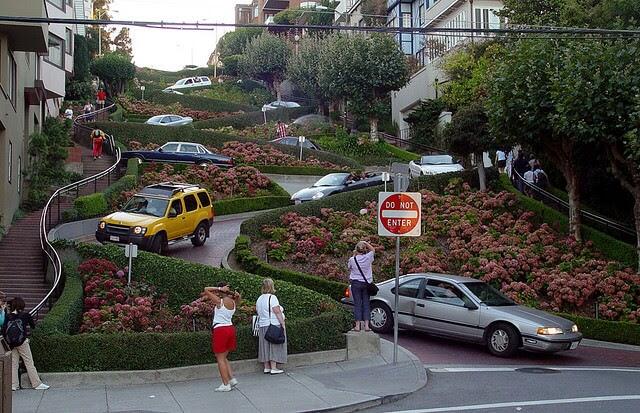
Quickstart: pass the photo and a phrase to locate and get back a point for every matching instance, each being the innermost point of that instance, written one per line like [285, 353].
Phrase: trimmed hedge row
[604, 330]
[201, 103]
[246, 120]
[610, 247]
[65, 315]
[295, 170]
[145, 134]
[258, 203]
[92, 205]
[255, 265]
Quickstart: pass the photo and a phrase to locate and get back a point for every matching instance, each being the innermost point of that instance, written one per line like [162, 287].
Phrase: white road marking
[523, 403]
[390, 213]
[511, 369]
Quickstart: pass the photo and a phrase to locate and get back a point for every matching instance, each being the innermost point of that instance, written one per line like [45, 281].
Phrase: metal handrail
[394, 139]
[598, 220]
[48, 250]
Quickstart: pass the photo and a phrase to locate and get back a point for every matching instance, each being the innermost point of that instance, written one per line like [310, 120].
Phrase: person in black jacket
[16, 332]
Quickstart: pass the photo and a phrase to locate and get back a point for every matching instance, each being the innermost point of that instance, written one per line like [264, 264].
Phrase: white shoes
[42, 386]
[276, 371]
[224, 387]
[266, 371]
[233, 382]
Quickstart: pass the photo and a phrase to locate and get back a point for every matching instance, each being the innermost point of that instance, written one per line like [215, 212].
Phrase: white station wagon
[189, 82]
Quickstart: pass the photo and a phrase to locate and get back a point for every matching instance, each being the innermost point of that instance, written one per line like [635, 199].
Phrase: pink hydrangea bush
[482, 235]
[252, 153]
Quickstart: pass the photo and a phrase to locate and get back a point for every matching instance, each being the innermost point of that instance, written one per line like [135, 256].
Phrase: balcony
[53, 78]
[440, 10]
[25, 37]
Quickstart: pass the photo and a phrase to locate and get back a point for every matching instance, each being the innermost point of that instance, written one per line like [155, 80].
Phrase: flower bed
[482, 235]
[147, 109]
[268, 130]
[254, 154]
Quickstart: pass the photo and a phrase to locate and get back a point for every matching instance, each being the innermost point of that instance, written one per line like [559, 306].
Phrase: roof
[168, 189]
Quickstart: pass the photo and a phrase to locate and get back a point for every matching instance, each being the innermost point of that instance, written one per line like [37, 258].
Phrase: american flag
[282, 130]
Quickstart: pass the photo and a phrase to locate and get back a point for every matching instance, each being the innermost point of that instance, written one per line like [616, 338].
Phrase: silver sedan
[170, 120]
[468, 309]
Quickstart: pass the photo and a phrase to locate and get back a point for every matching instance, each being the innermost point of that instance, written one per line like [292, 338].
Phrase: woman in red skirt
[223, 333]
[97, 138]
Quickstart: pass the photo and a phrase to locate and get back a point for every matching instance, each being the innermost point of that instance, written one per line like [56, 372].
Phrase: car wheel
[159, 244]
[199, 235]
[502, 340]
[204, 164]
[381, 317]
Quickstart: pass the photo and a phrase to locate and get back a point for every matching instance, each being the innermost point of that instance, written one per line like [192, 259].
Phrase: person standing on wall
[360, 276]
[97, 139]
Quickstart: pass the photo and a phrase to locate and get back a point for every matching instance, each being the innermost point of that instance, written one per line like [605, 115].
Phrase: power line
[369, 29]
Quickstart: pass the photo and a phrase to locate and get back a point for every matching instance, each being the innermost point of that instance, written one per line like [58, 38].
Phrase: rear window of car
[190, 203]
[155, 118]
[188, 148]
[204, 199]
[204, 79]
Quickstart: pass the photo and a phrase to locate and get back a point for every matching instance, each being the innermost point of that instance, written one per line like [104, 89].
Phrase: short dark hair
[222, 284]
[17, 304]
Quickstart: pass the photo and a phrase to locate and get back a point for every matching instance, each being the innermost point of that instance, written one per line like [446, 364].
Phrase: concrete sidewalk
[337, 386]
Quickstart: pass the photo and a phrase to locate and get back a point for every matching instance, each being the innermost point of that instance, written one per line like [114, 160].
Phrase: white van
[188, 82]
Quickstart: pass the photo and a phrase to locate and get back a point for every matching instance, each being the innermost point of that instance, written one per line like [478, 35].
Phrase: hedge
[249, 119]
[92, 205]
[308, 329]
[610, 247]
[604, 330]
[255, 265]
[240, 205]
[201, 103]
[295, 170]
[118, 115]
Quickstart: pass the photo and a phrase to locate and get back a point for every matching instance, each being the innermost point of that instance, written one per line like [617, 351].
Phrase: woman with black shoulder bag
[272, 332]
[362, 286]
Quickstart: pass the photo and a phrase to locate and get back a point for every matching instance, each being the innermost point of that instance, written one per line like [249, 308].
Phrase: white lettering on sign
[399, 214]
[389, 204]
[407, 205]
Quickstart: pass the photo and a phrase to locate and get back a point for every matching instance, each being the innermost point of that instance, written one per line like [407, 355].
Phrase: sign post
[301, 140]
[264, 113]
[131, 251]
[399, 215]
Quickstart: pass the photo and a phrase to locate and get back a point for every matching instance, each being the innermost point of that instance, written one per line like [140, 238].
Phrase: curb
[606, 344]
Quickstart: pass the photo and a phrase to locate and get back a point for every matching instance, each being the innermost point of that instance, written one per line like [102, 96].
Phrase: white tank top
[222, 316]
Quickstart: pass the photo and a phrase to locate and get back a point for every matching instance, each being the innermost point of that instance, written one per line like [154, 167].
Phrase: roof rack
[167, 188]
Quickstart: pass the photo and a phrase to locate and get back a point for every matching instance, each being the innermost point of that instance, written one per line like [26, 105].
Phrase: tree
[122, 42]
[363, 70]
[469, 133]
[423, 122]
[372, 12]
[304, 70]
[265, 58]
[312, 16]
[115, 70]
[233, 43]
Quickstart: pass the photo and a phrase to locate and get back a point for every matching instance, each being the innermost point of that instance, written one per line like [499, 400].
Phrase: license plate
[574, 345]
[114, 238]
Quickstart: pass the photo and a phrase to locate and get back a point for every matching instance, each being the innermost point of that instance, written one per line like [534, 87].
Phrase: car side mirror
[173, 213]
[349, 182]
[470, 306]
[160, 150]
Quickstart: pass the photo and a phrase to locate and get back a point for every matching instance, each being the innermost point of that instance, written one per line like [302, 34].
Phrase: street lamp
[142, 88]
[100, 14]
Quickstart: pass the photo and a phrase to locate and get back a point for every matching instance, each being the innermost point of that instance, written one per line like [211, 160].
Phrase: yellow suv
[160, 214]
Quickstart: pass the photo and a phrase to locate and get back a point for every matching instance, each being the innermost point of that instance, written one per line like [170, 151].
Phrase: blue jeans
[360, 295]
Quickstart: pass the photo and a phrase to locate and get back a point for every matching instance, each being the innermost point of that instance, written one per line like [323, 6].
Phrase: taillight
[347, 293]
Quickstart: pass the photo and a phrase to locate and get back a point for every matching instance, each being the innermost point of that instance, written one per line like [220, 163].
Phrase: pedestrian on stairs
[97, 138]
[16, 331]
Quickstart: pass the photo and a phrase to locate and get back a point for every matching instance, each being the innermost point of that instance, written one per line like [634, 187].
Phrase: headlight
[318, 195]
[102, 225]
[139, 230]
[549, 331]
[574, 328]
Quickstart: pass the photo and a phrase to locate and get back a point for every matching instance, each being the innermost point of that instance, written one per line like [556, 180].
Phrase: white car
[434, 164]
[279, 104]
[189, 82]
[170, 120]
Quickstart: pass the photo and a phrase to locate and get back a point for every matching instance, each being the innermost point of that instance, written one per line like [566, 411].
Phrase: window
[188, 148]
[421, 14]
[13, 80]
[19, 174]
[58, 3]
[68, 42]
[166, 119]
[410, 288]
[10, 161]
[190, 203]
[55, 56]
[176, 206]
[188, 82]
[170, 147]
[204, 199]
[406, 20]
[444, 292]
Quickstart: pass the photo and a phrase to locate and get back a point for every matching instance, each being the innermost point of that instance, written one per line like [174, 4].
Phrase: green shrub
[380, 153]
[91, 205]
[201, 103]
[610, 247]
[133, 167]
[118, 115]
[295, 170]
[66, 314]
[126, 183]
[246, 120]
[253, 264]
[604, 330]
[239, 205]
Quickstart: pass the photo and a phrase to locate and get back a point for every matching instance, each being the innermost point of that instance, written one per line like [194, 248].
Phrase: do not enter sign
[399, 214]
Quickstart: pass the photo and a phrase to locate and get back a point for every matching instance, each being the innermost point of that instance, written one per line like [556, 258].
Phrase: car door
[188, 152]
[174, 223]
[191, 214]
[409, 294]
[444, 311]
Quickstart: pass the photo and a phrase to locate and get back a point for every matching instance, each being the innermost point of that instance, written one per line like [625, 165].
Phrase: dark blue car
[181, 152]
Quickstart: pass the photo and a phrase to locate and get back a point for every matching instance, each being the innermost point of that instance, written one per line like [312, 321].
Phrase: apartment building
[35, 60]
[429, 49]
[264, 10]
[83, 9]
[351, 13]
[244, 13]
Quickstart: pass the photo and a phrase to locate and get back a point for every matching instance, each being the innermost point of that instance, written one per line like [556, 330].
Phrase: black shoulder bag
[372, 289]
[274, 334]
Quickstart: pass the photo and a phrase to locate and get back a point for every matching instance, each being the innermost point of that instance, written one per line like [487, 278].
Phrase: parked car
[293, 141]
[172, 91]
[158, 215]
[336, 183]
[169, 120]
[181, 152]
[468, 309]
[280, 104]
[189, 82]
[434, 164]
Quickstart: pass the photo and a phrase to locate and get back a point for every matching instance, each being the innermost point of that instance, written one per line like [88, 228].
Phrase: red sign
[399, 214]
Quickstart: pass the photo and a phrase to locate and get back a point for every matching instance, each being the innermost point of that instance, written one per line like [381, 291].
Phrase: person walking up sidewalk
[97, 139]
[223, 333]
[16, 333]
[101, 97]
[360, 276]
[270, 312]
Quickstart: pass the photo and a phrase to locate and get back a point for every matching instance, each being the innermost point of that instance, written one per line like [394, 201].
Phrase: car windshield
[488, 295]
[436, 160]
[146, 206]
[332, 180]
